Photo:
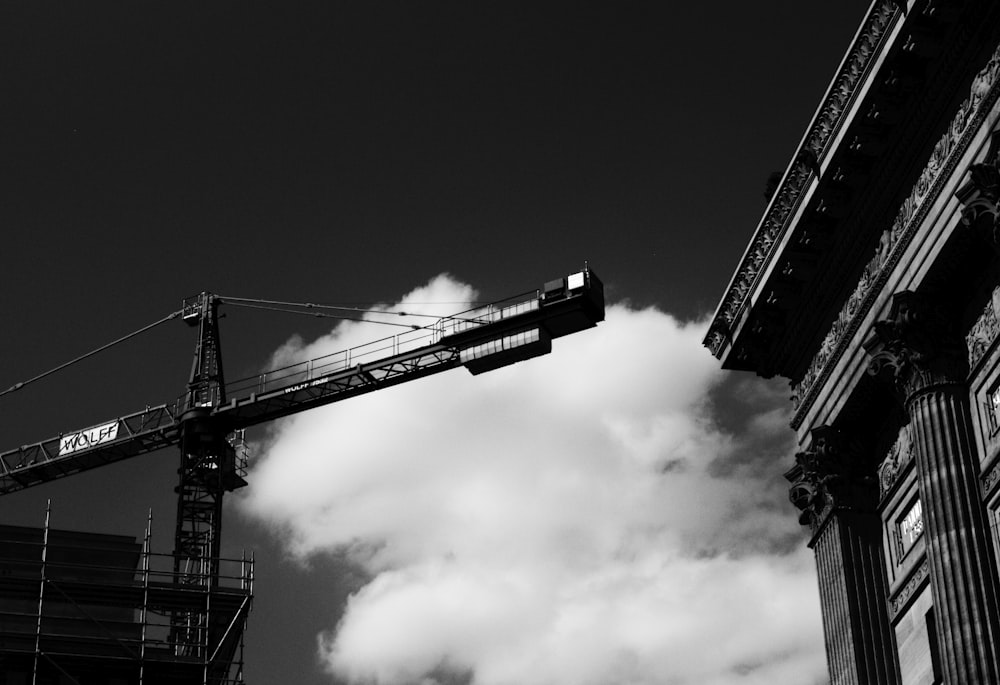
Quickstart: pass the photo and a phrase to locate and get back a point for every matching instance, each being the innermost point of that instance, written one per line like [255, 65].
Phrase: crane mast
[207, 467]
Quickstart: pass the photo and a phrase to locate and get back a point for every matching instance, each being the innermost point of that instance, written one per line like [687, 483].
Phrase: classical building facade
[872, 284]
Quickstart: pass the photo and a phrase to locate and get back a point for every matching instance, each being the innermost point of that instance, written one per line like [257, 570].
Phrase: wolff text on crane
[90, 437]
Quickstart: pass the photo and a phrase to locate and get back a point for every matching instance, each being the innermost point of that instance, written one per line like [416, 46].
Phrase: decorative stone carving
[915, 348]
[828, 476]
[984, 331]
[899, 457]
[981, 196]
[899, 600]
[990, 480]
[828, 120]
[894, 239]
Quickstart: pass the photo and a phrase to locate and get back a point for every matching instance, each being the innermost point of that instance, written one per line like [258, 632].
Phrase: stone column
[838, 501]
[919, 351]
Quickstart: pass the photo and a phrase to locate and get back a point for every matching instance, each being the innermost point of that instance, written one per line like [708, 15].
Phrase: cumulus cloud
[580, 518]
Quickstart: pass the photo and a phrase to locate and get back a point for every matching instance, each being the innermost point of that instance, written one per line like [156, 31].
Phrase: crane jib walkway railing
[383, 348]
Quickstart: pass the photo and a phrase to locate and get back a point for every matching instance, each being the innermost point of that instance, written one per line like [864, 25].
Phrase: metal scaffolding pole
[41, 595]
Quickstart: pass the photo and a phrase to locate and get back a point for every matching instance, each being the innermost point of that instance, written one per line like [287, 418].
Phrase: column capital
[916, 347]
[829, 476]
[980, 198]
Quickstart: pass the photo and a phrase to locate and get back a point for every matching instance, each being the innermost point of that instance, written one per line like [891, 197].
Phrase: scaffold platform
[97, 609]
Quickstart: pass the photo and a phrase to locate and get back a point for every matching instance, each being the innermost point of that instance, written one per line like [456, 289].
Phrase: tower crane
[206, 422]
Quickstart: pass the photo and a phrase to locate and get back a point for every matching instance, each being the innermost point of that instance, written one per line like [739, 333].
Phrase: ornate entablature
[881, 260]
[939, 168]
[895, 463]
[828, 120]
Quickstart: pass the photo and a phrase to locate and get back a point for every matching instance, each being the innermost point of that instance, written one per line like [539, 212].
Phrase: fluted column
[837, 497]
[918, 350]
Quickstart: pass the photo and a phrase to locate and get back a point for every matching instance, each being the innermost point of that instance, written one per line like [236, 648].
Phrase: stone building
[872, 284]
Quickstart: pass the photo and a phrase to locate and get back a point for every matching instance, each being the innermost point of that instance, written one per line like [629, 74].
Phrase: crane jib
[90, 437]
[69, 453]
[482, 340]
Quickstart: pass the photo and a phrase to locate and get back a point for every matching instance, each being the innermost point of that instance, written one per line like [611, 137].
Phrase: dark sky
[348, 152]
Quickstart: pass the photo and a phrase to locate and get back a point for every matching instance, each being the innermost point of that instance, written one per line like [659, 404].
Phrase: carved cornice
[915, 348]
[901, 599]
[828, 476]
[940, 167]
[831, 114]
[894, 465]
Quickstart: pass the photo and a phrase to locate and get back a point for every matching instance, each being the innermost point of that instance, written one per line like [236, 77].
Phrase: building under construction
[90, 609]
[101, 609]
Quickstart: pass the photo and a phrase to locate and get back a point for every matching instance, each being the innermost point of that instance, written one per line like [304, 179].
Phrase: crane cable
[242, 302]
[245, 302]
[320, 315]
[18, 386]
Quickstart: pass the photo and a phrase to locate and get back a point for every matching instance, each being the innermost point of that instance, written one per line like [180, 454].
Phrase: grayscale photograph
[389, 342]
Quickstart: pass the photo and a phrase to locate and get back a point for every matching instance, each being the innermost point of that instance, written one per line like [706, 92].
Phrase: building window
[909, 528]
[994, 510]
[992, 409]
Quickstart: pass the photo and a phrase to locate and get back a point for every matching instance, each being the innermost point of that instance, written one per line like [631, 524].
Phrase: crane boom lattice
[208, 420]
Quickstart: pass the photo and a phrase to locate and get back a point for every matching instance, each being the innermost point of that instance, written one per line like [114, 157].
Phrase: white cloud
[554, 522]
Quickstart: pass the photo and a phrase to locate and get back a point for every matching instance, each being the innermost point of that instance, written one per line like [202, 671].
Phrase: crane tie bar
[321, 315]
[297, 307]
[18, 386]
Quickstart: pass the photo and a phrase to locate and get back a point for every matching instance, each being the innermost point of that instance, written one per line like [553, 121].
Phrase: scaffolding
[93, 609]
